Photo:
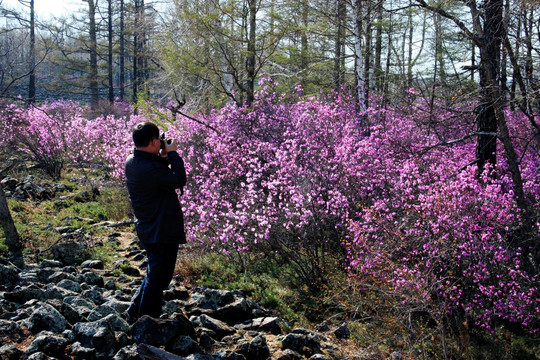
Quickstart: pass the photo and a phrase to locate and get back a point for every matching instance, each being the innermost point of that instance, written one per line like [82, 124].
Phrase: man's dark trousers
[159, 272]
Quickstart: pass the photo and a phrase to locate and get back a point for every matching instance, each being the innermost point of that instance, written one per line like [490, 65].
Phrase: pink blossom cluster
[305, 177]
[65, 132]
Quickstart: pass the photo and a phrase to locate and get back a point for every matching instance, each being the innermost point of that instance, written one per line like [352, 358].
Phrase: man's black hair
[144, 133]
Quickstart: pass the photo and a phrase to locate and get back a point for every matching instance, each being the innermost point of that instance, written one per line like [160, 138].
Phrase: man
[152, 185]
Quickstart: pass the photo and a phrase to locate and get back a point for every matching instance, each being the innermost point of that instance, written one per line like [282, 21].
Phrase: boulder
[264, 324]
[95, 334]
[342, 332]
[77, 351]
[219, 327]
[303, 342]
[257, 349]
[46, 318]
[211, 298]
[9, 183]
[70, 284]
[90, 278]
[23, 294]
[183, 345]
[67, 252]
[228, 355]
[9, 277]
[93, 295]
[289, 354]
[92, 264]
[10, 352]
[128, 353]
[49, 344]
[11, 330]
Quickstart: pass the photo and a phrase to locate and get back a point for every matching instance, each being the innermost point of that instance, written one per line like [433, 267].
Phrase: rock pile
[29, 188]
[53, 311]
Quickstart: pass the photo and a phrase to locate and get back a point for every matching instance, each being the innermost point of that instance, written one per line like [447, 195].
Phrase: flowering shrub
[299, 178]
[59, 132]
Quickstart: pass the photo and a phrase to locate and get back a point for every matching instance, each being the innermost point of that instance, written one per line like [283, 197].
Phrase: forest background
[384, 153]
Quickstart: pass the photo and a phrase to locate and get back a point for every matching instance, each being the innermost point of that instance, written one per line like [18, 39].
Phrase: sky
[47, 9]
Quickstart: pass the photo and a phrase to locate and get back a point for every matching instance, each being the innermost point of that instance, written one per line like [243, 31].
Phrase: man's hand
[173, 146]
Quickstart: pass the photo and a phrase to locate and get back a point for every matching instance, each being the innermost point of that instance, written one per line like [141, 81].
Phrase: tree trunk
[378, 49]
[486, 145]
[110, 50]
[360, 93]
[250, 83]
[94, 89]
[410, 50]
[339, 42]
[304, 40]
[32, 57]
[13, 241]
[122, 53]
[137, 49]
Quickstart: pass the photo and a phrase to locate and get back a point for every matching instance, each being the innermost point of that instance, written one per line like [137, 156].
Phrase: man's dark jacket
[151, 185]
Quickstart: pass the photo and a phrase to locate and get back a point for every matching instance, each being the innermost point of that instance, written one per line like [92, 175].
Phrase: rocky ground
[55, 310]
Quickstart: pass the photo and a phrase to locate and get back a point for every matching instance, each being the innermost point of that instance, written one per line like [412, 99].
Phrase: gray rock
[90, 278]
[266, 324]
[71, 314]
[11, 330]
[82, 352]
[320, 357]
[80, 304]
[118, 305]
[10, 352]
[67, 252]
[94, 295]
[50, 264]
[49, 344]
[38, 356]
[70, 284]
[185, 327]
[305, 343]
[100, 312]
[218, 326]
[23, 294]
[289, 354]
[46, 317]
[9, 183]
[200, 357]
[211, 298]
[342, 332]
[69, 334]
[45, 273]
[258, 349]
[156, 332]
[228, 355]
[122, 339]
[116, 323]
[96, 334]
[172, 307]
[29, 277]
[9, 277]
[128, 353]
[56, 292]
[110, 284]
[183, 345]
[57, 188]
[206, 339]
[239, 309]
[58, 276]
[92, 264]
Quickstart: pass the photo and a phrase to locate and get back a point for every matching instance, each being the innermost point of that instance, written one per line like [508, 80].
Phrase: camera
[163, 140]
